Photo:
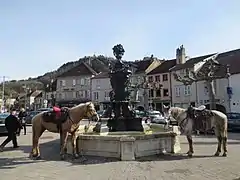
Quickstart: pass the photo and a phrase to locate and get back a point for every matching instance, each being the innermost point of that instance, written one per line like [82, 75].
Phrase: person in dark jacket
[12, 125]
[22, 115]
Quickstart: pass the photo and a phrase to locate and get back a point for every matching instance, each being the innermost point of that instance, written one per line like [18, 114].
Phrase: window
[158, 93]
[82, 81]
[177, 91]
[106, 94]
[85, 93]
[74, 94]
[150, 79]
[205, 90]
[157, 78]
[88, 93]
[165, 92]
[187, 90]
[95, 95]
[151, 94]
[62, 83]
[79, 94]
[98, 84]
[87, 81]
[74, 82]
[165, 77]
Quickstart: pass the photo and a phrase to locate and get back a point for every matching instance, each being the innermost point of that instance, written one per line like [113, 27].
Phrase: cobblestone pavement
[15, 165]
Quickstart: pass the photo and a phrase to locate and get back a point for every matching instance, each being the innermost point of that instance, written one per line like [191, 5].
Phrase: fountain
[124, 119]
[124, 135]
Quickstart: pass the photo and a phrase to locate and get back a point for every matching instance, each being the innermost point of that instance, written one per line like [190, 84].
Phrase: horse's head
[91, 112]
[166, 110]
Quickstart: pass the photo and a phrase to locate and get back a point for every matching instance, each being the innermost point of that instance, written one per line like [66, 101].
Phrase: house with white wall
[138, 79]
[197, 92]
[100, 89]
[160, 81]
[74, 86]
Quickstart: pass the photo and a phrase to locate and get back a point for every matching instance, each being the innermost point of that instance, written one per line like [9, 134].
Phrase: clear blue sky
[39, 36]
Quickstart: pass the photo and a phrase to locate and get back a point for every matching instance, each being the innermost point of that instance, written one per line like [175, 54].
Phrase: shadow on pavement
[211, 143]
[172, 157]
[231, 136]
[10, 163]
[49, 152]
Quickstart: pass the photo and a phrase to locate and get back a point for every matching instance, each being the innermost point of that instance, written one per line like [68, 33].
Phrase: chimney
[180, 55]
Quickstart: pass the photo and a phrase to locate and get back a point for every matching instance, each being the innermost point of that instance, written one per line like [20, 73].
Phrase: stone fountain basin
[127, 145]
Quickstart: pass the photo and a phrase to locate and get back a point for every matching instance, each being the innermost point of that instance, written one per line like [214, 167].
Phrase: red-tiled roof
[164, 67]
[79, 70]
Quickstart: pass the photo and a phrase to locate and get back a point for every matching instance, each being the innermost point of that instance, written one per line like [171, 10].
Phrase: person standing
[22, 115]
[12, 125]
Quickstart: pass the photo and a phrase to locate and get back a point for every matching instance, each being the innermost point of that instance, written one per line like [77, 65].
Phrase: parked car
[156, 117]
[3, 129]
[100, 113]
[44, 109]
[233, 121]
[30, 115]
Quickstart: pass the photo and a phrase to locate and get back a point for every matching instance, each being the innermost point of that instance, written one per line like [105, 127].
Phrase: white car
[156, 117]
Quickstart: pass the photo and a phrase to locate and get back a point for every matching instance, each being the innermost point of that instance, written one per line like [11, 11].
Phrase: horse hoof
[76, 156]
[83, 159]
[224, 154]
[217, 154]
[38, 158]
[35, 157]
[190, 155]
[62, 157]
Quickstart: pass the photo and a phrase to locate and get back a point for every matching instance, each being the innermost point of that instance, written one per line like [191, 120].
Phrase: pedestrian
[22, 115]
[12, 125]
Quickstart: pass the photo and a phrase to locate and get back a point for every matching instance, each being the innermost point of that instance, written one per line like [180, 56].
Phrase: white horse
[186, 118]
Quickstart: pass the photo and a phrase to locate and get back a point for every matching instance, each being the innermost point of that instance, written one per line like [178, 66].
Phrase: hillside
[98, 63]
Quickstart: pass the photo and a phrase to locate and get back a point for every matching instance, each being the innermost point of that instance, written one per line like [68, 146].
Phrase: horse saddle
[53, 116]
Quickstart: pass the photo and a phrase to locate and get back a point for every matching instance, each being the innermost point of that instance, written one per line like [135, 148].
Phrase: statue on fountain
[124, 118]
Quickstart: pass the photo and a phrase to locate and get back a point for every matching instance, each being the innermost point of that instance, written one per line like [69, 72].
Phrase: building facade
[139, 94]
[160, 85]
[100, 89]
[74, 86]
[198, 93]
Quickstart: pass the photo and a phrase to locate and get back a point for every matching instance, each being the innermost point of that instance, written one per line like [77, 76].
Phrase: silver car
[3, 129]
[156, 117]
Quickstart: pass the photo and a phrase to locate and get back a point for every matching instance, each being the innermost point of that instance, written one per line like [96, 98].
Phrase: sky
[39, 36]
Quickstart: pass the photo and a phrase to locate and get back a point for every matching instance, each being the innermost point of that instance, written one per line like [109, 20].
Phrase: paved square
[15, 165]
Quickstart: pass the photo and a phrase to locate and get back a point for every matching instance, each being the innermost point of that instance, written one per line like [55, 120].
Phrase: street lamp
[229, 88]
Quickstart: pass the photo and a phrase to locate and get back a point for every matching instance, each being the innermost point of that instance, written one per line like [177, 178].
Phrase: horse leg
[63, 144]
[224, 139]
[190, 143]
[219, 138]
[74, 145]
[36, 134]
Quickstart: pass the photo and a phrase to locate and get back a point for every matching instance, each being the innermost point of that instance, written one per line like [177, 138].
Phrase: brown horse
[186, 118]
[75, 115]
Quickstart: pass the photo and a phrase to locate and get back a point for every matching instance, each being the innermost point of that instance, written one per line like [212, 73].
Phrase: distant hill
[98, 63]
